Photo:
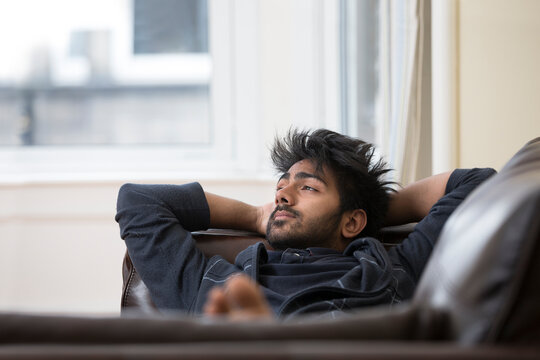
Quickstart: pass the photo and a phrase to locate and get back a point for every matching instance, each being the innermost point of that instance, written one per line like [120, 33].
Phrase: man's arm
[226, 213]
[414, 251]
[156, 223]
[412, 203]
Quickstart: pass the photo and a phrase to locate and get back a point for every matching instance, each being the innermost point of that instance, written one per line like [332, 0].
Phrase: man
[330, 202]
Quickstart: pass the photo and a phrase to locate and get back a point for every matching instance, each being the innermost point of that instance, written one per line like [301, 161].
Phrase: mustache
[284, 208]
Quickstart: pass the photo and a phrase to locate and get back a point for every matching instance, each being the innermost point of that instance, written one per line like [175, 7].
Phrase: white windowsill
[113, 177]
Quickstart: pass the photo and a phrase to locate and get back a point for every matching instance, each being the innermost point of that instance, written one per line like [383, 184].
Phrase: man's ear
[353, 222]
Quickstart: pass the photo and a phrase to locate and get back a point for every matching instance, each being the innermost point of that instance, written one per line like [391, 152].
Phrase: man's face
[307, 212]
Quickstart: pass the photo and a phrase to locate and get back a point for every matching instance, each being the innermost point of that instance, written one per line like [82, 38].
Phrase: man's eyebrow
[285, 176]
[305, 175]
[302, 175]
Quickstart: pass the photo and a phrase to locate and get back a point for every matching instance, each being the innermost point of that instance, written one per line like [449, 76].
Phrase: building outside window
[140, 75]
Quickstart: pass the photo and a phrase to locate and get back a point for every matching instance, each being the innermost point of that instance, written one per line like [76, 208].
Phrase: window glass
[359, 66]
[104, 72]
[169, 26]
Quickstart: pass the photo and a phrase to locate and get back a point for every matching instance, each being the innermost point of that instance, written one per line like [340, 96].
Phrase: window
[120, 84]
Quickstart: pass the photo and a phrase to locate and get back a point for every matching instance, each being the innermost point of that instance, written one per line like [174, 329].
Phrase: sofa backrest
[485, 270]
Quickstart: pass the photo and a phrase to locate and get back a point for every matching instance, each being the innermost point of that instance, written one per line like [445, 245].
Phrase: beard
[299, 233]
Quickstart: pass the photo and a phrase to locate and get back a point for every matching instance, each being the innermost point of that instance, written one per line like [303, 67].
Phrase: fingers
[264, 214]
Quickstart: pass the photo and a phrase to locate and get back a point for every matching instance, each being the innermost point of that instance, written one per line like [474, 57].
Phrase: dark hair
[359, 175]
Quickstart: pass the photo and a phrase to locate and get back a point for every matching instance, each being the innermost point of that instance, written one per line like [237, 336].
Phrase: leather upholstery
[484, 271]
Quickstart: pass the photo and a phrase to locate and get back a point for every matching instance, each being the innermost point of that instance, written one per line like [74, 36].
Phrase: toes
[217, 303]
[245, 296]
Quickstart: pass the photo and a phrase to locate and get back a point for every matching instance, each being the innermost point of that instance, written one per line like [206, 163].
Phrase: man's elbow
[125, 196]
[130, 198]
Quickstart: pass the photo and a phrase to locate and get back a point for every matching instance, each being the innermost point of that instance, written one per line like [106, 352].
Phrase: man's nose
[284, 196]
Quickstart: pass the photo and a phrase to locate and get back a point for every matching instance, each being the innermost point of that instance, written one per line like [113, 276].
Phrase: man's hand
[228, 213]
[264, 212]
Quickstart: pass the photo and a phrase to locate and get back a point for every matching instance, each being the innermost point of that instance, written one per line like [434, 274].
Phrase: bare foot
[239, 299]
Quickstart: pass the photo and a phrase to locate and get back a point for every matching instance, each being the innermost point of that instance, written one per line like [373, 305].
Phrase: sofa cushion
[483, 271]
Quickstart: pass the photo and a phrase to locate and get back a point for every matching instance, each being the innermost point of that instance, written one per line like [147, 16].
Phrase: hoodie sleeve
[413, 253]
[156, 223]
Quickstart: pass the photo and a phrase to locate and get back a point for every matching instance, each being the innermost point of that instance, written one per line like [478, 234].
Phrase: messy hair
[359, 176]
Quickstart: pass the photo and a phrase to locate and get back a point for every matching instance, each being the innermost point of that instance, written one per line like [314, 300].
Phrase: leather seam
[128, 287]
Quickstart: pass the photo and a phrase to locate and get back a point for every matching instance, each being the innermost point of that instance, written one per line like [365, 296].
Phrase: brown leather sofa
[479, 298]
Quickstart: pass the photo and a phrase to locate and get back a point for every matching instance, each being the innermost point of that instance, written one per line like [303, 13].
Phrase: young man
[330, 202]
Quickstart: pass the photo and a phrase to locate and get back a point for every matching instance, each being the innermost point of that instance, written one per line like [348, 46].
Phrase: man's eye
[305, 187]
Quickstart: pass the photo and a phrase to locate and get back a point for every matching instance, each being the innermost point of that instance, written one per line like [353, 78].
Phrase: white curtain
[399, 97]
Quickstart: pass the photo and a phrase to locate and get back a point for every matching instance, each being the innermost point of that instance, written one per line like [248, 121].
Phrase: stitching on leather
[128, 287]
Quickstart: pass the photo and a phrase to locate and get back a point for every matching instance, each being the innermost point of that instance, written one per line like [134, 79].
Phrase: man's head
[330, 192]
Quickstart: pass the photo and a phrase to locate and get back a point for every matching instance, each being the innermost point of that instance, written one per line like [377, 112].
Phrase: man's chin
[276, 244]
[275, 235]
[281, 228]
[284, 239]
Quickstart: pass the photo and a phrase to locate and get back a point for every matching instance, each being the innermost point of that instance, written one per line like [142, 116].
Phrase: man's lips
[283, 215]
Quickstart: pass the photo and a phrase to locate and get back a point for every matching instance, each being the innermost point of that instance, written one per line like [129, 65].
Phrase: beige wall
[499, 79]
[60, 248]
